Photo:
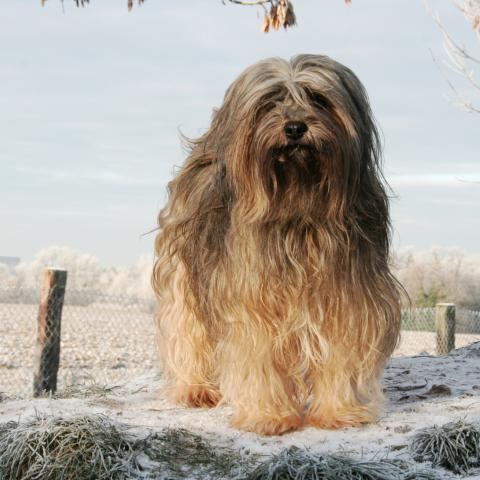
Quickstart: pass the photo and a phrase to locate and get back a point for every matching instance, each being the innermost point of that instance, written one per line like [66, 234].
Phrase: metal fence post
[445, 327]
[47, 351]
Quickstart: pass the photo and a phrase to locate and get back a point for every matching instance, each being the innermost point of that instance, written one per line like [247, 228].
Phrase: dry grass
[47, 448]
[180, 454]
[5, 428]
[96, 447]
[88, 388]
[296, 464]
[454, 446]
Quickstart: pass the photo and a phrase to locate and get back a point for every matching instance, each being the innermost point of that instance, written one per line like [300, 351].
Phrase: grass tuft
[85, 390]
[87, 447]
[454, 446]
[95, 447]
[296, 464]
[178, 453]
[6, 427]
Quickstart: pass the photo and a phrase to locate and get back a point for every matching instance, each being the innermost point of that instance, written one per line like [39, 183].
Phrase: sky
[93, 101]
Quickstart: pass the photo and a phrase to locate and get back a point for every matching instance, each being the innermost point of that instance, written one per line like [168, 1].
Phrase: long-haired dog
[272, 275]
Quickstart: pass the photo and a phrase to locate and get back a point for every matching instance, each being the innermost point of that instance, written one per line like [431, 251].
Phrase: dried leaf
[290, 18]
[281, 12]
[266, 24]
[274, 20]
[476, 22]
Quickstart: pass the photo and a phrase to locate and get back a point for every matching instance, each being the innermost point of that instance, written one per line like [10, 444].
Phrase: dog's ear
[371, 205]
[368, 192]
[362, 115]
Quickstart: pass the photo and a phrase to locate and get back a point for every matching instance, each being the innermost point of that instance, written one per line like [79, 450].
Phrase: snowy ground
[104, 342]
[111, 343]
[422, 391]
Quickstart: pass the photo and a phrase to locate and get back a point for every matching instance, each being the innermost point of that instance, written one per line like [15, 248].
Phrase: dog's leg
[254, 384]
[341, 396]
[186, 349]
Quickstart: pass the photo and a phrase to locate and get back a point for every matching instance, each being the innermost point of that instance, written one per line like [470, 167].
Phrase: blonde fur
[272, 275]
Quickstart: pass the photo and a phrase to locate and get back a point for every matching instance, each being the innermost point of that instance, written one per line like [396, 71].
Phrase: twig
[457, 55]
[249, 3]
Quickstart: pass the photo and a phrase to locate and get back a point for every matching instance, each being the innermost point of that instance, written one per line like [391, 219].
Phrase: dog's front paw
[355, 416]
[266, 424]
[196, 396]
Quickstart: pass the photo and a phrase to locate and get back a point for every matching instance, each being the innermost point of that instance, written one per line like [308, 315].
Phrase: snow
[421, 390]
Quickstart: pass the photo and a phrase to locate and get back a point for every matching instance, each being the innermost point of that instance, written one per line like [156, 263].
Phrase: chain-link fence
[419, 333]
[108, 339]
[103, 339]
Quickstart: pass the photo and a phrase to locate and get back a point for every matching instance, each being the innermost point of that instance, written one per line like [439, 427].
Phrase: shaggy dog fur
[272, 275]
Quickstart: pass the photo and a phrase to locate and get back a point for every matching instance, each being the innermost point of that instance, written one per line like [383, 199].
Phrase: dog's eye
[267, 104]
[272, 98]
[319, 100]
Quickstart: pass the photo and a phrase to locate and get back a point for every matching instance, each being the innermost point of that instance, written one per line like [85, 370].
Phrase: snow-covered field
[101, 342]
[115, 345]
[422, 391]
[110, 343]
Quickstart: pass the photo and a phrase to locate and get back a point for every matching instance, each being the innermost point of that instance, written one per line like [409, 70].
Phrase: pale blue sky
[91, 101]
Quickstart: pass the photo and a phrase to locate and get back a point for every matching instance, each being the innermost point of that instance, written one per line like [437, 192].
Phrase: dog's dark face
[296, 136]
[292, 143]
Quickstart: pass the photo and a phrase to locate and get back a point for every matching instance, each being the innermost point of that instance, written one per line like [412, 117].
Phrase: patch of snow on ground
[422, 391]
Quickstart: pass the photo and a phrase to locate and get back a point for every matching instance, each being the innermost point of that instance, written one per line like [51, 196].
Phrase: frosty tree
[459, 58]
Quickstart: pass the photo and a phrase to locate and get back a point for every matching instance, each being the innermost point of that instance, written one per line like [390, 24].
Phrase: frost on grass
[180, 453]
[296, 464]
[95, 447]
[454, 446]
[85, 390]
[86, 447]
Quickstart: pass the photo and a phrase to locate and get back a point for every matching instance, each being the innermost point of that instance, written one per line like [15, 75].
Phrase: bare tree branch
[280, 14]
[252, 3]
[458, 59]
[82, 3]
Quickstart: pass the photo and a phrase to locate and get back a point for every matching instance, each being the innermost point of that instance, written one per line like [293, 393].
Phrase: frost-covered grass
[179, 453]
[132, 430]
[454, 446]
[85, 447]
[94, 447]
[296, 464]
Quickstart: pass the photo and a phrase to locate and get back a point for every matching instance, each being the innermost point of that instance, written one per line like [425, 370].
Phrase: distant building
[10, 261]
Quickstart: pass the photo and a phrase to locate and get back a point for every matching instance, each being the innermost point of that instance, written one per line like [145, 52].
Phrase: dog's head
[296, 137]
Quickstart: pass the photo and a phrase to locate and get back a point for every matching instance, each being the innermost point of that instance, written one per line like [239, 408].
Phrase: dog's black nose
[295, 130]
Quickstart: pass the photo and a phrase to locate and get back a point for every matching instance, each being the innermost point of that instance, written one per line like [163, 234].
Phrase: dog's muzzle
[295, 130]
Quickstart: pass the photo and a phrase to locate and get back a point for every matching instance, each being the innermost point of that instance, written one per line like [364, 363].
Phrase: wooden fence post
[445, 327]
[47, 351]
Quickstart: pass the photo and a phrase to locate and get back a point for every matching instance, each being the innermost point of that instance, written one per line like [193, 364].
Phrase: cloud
[458, 180]
[99, 176]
